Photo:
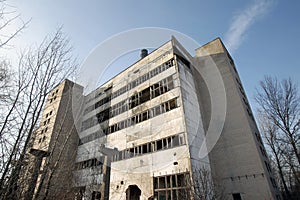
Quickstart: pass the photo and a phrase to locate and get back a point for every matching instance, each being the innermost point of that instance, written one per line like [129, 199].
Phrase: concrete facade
[140, 133]
[51, 156]
[239, 157]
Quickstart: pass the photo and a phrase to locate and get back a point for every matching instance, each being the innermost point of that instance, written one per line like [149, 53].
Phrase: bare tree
[203, 187]
[39, 71]
[279, 109]
[7, 18]
[5, 81]
[272, 139]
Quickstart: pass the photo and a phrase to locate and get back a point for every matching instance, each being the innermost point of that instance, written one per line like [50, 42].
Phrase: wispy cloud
[243, 21]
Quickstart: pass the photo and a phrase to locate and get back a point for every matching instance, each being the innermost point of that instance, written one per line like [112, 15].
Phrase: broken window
[144, 148]
[142, 116]
[173, 187]
[159, 145]
[153, 146]
[145, 95]
[103, 116]
[94, 162]
[172, 104]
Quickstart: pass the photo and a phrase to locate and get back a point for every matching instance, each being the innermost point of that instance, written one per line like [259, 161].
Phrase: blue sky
[262, 35]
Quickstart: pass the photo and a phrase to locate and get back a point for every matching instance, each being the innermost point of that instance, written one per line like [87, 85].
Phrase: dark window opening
[159, 145]
[144, 149]
[236, 196]
[145, 95]
[103, 116]
[161, 182]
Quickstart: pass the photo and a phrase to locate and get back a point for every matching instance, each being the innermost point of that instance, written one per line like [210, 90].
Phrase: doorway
[133, 192]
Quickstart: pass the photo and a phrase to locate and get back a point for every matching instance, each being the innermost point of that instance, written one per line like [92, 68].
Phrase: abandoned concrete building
[138, 136]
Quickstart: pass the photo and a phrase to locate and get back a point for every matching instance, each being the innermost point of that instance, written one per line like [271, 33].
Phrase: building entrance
[133, 192]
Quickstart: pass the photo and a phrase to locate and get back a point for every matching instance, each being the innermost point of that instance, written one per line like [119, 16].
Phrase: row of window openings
[92, 136]
[245, 101]
[153, 61]
[98, 104]
[171, 181]
[144, 77]
[133, 84]
[145, 95]
[150, 113]
[246, 176]
[153, 112]
[141, 117]
[232, 62]
[47, 121]
[94, 162]
[162, 144]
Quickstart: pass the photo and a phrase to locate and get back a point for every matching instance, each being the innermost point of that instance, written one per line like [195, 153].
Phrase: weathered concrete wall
[235, 160]
[141, 170]
[55, 144]
[193, 119]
